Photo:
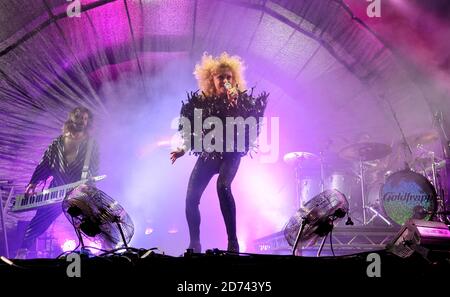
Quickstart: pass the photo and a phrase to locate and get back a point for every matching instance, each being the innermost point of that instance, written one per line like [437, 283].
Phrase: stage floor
[215, 266]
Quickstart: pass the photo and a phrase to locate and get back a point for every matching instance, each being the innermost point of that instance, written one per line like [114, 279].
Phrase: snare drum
[408, 195]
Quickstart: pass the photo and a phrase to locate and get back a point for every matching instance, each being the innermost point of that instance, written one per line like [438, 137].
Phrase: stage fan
[98, 216]
[316, 219]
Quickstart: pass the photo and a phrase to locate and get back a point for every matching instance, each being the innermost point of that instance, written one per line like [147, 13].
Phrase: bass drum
[407, 195]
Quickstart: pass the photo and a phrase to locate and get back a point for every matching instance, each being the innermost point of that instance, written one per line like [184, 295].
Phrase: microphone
[231, 90]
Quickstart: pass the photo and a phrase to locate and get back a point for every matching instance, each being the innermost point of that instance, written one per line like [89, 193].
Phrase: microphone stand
[445, 141]
[405, 142]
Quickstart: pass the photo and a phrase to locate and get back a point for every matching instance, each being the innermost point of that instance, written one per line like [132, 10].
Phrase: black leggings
[202, 173]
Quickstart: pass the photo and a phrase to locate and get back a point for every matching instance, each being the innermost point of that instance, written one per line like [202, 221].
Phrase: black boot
[195, 246]
[233, 246]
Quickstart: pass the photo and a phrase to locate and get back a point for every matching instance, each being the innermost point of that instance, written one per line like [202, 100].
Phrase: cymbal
[365, 151]
[422, 161]
[424, 138]
[294, 157]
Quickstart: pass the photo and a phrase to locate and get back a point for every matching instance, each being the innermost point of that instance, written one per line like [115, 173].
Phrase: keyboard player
[64, 160]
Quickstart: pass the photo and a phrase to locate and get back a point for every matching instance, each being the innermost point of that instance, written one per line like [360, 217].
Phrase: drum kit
[376, 180]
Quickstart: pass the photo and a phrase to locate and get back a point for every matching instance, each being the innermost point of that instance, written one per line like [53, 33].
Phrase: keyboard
[48, 196]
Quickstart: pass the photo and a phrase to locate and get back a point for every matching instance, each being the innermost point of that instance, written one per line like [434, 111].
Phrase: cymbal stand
[363, 194]
[363, 197]
[298, 180]
[322, 178]
[440, 121]
[297, 186]
[406, 146]
[441, 209]
[377, 214]
[433, 172]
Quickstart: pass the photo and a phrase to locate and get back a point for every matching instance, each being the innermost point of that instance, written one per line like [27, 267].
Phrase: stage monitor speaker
[429, 239]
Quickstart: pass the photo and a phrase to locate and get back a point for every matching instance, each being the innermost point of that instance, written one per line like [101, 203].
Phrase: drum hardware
[439, 192]
[298, 157]
[363, 194]
[366, 207]
[427, 163]
[437, 165]
[426, 157]
[365, 152]
[315, 173]
[301, 161]
[441, 124]
[405, 143]
[432, 173]
[377, 214]
[421, 139]
[322, 178]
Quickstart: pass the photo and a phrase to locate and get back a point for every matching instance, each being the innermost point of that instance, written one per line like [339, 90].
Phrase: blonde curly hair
[209, 65]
